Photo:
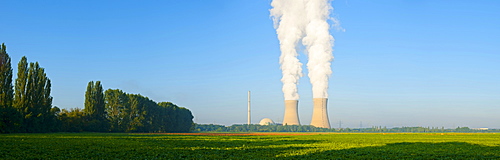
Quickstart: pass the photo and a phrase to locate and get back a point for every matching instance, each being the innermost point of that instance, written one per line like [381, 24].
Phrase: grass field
[249, 146]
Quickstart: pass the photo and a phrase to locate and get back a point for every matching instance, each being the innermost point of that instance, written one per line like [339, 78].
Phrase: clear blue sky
[398, 63]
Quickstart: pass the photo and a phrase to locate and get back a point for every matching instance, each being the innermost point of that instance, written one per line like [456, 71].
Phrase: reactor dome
[266, 121]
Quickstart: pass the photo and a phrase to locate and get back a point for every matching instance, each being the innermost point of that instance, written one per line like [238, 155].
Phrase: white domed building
[266, 121]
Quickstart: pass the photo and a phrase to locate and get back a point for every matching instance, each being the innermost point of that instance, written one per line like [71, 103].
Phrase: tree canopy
[27, 106]
[10, 118]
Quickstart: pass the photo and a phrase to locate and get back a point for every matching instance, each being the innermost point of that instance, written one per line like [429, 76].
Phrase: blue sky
[398, 63]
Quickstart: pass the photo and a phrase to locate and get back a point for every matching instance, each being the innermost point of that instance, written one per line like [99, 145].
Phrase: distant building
[480, 129]
[266, 121]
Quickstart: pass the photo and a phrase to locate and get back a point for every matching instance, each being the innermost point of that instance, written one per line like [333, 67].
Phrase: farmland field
[250, 146]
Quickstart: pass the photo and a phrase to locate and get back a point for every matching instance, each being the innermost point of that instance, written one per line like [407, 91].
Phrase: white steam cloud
[319, 45]
[289, 19]
[306, 21]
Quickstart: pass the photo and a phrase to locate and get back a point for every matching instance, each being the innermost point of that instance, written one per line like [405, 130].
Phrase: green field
[294, 146]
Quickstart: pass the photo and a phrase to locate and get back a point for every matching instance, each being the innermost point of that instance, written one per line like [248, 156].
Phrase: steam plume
[289, 21]
[306, 21]
[319, 43]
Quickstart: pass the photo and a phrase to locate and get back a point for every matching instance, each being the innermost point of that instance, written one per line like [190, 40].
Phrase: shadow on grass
[239, 149]
[418, 150]
[118, 146]
[209, 147]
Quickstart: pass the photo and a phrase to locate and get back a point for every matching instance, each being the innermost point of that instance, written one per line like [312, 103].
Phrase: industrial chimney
[320, 115]
[249, 115]
[291, 113]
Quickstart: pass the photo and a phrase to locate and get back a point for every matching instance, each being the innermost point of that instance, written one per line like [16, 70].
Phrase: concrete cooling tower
[320, 115]
[291, 113]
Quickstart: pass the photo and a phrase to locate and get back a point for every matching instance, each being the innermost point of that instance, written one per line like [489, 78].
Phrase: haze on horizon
[403, 63]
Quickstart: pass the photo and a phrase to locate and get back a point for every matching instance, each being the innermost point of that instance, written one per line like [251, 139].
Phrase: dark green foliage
[20, 98]
[32, 97]
[143, 114]
[169, 118]
[55, 123]
[210, 128]
[136, 113]
[72, 120]
[185, 120]
[10, 118]
[95, 113]
[128, 113]
[117, 108]
[175, 118]
[6, 92]
[28, 107]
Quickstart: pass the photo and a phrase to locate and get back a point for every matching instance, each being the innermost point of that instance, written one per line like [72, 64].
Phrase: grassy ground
[249, 146]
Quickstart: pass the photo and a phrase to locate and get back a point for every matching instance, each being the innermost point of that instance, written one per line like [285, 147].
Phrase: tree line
[309, 128]
[117, 111]
[381, 129]
[259, 128]
[27, 106]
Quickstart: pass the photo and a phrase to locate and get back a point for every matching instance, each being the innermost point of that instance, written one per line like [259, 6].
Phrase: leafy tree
[53, 119]
[169, 118]
[185, 120]
[32, 97]
[177, 119]
[463, 129]
[10, 119]
[20, 98]
[136, 116]
[95, 108]
[117, 109]
[141, 114]
[6, 92]
[136, 113]
[71, 120]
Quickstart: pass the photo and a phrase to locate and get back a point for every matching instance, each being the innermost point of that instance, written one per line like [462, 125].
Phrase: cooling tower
[320, 115]
[291, 113]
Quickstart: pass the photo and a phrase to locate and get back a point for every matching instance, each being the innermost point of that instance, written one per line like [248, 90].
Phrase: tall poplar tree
[95, 108]
[6, 92]
[32, 97]
[10, 118]
[89, 107]
[20, 99]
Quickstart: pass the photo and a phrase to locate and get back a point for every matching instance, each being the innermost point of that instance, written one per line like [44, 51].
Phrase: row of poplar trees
[27, 106]
[117, 111]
